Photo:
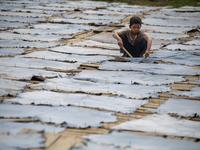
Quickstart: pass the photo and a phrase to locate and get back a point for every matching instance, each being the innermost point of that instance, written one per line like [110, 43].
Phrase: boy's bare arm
[116, 36]
[149, 43]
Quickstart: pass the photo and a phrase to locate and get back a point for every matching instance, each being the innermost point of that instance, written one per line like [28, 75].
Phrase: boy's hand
[146, 54]
[120, 43]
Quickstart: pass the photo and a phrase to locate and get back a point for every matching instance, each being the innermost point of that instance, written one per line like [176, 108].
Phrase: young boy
[136, 42]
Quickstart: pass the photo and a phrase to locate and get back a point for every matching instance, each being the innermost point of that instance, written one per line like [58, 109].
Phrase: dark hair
[135, 20]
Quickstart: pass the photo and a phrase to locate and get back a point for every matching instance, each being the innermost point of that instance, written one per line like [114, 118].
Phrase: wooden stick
[127, 52]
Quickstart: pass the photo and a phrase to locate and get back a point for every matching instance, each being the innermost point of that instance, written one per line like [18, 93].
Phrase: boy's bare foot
[125, 55]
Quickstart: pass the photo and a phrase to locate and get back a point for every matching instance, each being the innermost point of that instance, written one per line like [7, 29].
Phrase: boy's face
[135, 28]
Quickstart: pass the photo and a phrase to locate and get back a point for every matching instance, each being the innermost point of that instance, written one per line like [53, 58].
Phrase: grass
[173, 3]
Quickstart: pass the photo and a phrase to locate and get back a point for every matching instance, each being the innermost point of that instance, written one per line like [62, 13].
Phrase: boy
[136, 42]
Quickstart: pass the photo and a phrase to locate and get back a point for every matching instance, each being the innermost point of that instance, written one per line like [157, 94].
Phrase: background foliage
[173, 3]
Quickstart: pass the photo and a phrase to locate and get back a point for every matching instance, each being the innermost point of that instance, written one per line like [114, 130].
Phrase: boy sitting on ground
[136, 42]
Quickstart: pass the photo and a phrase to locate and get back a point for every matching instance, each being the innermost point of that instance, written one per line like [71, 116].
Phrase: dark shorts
[135, 50]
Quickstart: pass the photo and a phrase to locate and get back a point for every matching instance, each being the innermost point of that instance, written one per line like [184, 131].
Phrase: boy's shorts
[135, 50]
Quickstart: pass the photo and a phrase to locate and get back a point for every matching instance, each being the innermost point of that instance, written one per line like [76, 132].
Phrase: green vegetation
[173, 3]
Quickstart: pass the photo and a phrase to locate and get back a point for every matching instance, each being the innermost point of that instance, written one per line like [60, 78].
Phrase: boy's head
[135, 20]
[135, 24]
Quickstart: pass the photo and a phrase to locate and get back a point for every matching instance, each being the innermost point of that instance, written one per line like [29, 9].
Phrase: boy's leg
[143, 47]
[136, 50]
[125, 43]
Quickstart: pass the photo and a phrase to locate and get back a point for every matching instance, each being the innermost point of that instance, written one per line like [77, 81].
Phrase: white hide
[70, 116]
[11, 87]
[37, 63]
[181, 107]
[132, 91]
[126, 77]
[195, 92]
[150, 68]
[138, 141]
[63, 99]
[162, 124]
[48, 55]
[14, 128]
[84, 51]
